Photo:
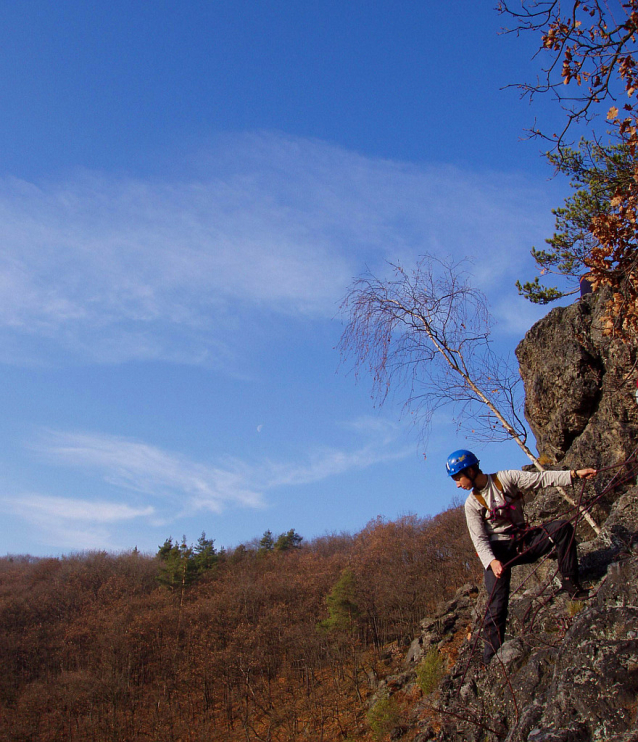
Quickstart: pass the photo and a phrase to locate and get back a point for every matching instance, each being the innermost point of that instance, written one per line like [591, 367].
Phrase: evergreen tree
[596, 175]
[343, 607]
[205, 556]
[177, 566]
[287, 541]
[267, 542]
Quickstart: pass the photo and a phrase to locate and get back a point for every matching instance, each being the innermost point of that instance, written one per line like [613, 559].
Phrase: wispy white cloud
[326, 462]
[149, 470]
[66, 508]
[110, 268]
[168, 486]
[374, 427]
[147, 486]
[72, 522]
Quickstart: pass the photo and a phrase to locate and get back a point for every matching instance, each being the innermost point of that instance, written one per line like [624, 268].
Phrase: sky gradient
[186, 192]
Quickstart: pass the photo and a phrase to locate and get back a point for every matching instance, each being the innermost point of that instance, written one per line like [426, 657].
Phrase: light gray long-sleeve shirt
[483, 527]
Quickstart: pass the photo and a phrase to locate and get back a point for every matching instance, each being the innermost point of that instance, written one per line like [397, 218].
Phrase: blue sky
[186, 192]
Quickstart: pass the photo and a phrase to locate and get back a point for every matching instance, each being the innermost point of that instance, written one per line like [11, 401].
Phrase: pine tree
[287, 541]
[205, 555]
[343, 608]
[267, 542]
[177, 566]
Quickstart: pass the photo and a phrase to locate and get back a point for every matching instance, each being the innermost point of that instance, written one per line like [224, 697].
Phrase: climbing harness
[518, 531]
[502, 512]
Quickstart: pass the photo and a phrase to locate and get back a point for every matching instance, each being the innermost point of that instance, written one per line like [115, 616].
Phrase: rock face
[567, 671]
[570, 672]
[579, 387]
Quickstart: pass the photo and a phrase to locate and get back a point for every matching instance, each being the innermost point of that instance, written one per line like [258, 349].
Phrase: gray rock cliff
[579, 387]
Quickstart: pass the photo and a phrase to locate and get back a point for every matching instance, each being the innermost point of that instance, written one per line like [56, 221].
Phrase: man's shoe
[574, 589]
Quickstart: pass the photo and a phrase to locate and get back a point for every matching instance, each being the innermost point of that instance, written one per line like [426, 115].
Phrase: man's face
[462, 480]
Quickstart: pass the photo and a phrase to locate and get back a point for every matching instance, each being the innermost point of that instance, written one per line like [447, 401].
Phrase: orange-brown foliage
[93, 648]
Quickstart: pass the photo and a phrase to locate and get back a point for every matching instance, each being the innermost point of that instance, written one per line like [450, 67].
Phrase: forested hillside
[260, 643]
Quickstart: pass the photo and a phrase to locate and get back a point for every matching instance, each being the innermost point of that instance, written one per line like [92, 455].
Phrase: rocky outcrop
[568, 671]
[579, 387]
[580, 402]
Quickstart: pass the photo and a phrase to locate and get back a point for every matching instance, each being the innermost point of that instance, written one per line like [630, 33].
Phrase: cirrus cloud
[159, 486]
[110, 268]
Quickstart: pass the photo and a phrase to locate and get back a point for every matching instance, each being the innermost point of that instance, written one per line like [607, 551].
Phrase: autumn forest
[271, 641]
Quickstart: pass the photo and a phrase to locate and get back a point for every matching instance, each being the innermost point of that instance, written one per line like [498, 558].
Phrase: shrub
[383, 717]
[574, 607]
[430, 671]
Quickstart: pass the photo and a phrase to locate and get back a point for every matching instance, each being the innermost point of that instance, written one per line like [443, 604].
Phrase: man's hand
[586, 473]
[496, 567]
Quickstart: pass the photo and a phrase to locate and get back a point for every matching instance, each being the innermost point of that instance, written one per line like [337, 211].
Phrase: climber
[502, 539]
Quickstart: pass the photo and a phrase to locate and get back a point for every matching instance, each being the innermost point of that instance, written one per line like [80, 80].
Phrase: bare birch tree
[428, 330]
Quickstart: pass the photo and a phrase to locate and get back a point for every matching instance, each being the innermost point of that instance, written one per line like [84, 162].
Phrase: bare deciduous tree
[429, 330]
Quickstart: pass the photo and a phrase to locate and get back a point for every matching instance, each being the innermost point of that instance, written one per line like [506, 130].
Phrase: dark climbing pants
[530, 546]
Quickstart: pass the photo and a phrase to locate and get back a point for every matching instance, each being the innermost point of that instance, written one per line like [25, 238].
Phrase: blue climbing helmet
[460, 460]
